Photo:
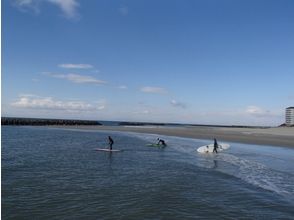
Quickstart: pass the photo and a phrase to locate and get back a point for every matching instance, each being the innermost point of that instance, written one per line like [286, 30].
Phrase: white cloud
[75, 66]
[257, 111]
[76, 78]
[30, 105]
[23, 3]
[26, 5]
[68, 7]
[101, 104]
[178, 104]
[49, 103]
[101, 107]
[243, 116]
[156, 90]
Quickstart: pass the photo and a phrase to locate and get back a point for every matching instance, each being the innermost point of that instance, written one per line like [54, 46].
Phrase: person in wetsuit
[215, 146]
[110, 142]
[161, 142]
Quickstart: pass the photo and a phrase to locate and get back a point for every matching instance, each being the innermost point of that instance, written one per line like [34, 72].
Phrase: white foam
[250, 171]
[260, 175]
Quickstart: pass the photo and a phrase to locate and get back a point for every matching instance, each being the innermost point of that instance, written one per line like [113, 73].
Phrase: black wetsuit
[162, 142]
[110, 142]
[215, 146]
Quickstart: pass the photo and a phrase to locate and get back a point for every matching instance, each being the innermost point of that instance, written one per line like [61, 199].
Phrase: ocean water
[56, 174]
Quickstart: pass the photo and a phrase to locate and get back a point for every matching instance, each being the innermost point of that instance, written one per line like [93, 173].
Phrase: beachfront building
[290, 116]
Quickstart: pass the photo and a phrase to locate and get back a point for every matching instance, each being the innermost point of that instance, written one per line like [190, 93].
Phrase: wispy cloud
[75, 66]
[175, 103]
[101, 104]
[142, 112]
[76, 78]
[124, 10]
[35, 80]
[23, 2]
[257, 111]
[49, 103]
[27, 5]
[68, 7]
[156, 90]
[122, 87]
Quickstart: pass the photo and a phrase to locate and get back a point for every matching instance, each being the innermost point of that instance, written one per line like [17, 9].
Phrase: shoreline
[279, 136]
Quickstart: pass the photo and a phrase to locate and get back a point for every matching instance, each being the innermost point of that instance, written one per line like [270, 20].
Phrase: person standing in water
[215, 146]
[110, 141]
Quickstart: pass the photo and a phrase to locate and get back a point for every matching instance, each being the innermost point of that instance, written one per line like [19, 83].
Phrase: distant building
[290, 116]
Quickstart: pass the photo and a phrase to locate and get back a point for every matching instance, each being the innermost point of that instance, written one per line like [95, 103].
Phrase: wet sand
[276, 136]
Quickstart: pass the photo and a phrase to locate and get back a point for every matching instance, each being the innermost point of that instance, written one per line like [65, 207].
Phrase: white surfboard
[209, 148]
[107, 150]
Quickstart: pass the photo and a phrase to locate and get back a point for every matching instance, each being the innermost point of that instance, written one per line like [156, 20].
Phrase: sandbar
[274, 136]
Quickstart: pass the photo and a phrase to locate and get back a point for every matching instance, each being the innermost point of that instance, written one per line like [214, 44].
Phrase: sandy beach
[276, 136]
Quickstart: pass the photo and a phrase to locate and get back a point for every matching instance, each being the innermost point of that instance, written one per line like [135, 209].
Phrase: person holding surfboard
[110, 141]
[215, 146]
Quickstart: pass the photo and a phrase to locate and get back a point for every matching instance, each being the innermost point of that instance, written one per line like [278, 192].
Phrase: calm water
[56, 174]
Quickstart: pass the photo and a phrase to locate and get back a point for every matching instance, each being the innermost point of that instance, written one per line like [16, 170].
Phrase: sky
[227, 62]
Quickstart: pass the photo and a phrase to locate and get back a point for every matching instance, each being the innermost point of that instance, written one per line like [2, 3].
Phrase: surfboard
[107, 150]
[155, 145]
[209, 148]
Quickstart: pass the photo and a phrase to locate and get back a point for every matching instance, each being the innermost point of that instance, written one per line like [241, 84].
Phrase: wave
[260, 175]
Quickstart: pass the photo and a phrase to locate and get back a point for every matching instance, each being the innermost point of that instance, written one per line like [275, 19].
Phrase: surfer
[110, 141]
[215, 146]
[161, 142]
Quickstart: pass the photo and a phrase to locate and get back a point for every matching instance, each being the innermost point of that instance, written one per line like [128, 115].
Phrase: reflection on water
[215, 164]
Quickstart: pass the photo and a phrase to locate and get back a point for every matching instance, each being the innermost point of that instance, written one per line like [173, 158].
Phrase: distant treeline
[40, 121]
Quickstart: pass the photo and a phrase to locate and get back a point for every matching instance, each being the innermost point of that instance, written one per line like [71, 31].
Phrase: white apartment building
[290, 116]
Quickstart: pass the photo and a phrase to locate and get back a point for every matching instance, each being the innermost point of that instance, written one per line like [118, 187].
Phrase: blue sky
[189, 61]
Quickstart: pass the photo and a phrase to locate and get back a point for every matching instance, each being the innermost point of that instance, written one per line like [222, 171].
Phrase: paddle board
[209, 148]
[107, 150]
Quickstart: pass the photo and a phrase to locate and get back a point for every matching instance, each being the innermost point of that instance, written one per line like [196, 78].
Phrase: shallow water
[56, 174]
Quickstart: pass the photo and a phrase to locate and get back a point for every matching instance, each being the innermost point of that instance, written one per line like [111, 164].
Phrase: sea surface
[52, 173]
